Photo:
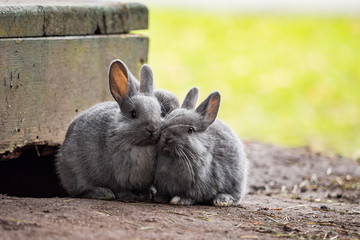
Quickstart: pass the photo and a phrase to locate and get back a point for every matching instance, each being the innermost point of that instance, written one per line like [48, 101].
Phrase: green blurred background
[286, 80]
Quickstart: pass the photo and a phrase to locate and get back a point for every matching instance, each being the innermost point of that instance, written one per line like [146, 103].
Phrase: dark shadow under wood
[32, 174]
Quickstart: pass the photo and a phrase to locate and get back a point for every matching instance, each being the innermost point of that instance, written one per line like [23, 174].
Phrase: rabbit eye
[191, 130]
[133, 114]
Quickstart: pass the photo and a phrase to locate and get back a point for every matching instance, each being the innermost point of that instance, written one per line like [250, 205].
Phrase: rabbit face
[181, 134]
[139, 109]
[183, 129]
[141, 114]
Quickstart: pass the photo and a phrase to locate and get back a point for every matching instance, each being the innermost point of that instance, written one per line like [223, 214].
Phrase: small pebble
[324, 208]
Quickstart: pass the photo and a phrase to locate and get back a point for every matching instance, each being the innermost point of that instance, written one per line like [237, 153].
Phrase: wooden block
[63, 18]
[46, 82]
[21, 21]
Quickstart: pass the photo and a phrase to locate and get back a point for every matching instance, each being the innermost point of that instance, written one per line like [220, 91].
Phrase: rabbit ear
[135, 85]
[146, 79]
[121, 85]
[209, 108]
[191, 99]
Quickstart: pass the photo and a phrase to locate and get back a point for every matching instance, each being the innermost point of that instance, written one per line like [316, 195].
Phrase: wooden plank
[46, 82]
[63, 18]
[16, 21]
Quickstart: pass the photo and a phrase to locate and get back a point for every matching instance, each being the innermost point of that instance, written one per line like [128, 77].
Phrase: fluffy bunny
[201, 160]
[109, 150]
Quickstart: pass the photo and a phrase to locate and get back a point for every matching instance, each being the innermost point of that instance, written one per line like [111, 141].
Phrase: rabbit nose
[167, 137]
[151, 129]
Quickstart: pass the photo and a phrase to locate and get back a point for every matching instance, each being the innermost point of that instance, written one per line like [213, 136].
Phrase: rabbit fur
[201, 160]
[168, 101]
[109, 150]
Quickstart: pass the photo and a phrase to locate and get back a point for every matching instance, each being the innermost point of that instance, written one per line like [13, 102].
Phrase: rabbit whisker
[128, 139]
[199, 120]
[186, 161]
[172, 117]
[192, 156]
[166, 101]
[202, 113]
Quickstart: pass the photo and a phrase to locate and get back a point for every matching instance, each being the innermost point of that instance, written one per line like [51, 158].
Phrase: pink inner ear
[213, 107]
[119, 81]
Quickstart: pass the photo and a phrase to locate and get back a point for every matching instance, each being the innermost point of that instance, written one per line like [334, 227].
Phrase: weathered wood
[63, 18]
[21, 21]
[46, 82]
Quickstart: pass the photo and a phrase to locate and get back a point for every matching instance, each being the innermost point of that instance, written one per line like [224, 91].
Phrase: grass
[286, 80]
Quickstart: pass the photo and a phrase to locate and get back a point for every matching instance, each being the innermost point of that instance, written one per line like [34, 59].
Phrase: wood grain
[46, 82]
[64, 18]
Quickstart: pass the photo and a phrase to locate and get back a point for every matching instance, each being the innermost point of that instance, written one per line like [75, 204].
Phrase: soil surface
[293, 193]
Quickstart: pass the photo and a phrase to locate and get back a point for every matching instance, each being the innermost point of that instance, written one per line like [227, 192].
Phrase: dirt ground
[293, 193]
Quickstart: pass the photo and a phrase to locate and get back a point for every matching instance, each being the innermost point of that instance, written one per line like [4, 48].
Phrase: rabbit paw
[153, 192]
[181, 201]
[223, 200]
[98, 193]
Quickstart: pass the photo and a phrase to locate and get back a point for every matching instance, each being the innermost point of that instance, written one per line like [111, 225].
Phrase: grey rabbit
[201, 160]
[109, 150]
